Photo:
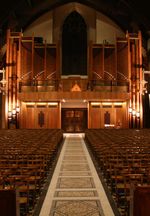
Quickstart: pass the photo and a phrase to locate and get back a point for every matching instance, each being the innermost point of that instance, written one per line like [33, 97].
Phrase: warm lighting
[17, 109]
[41, 103]
[133, 112]
[14, 112]
[9, 114]
[52, 103]
[138, 114]
[95, 103]
[106, 103]
[109, 125]
[3, 82]
[118, 104]
[30, 103]
[130, 109]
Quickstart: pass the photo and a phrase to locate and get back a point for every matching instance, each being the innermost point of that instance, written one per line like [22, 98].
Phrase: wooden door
[74, 120]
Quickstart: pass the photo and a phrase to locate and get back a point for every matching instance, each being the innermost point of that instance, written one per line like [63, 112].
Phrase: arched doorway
[74, 45]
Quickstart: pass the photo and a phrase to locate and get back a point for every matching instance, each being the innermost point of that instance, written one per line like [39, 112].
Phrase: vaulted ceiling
[131, 15]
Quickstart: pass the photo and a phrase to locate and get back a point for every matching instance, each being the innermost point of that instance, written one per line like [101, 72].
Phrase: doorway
[74, 120]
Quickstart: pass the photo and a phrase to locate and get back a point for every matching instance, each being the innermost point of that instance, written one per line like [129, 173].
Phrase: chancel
[74, 108]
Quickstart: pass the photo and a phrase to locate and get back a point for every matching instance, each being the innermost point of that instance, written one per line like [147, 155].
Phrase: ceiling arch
[131, 15]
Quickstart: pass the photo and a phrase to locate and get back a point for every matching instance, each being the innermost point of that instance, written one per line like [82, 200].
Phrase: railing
[75, 84]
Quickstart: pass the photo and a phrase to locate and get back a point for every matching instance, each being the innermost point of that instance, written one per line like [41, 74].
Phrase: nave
[100, 173]
[75, 188]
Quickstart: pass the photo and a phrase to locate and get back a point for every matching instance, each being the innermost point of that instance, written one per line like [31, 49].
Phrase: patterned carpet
[75, 189]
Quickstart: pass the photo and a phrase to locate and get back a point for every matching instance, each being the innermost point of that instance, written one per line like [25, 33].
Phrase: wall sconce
[3, 82]
[13, 117]
[138, 114]
[17, 109]
[14, 113]
[134, 118]
[9, 115]
[130, 110]
[133, 112]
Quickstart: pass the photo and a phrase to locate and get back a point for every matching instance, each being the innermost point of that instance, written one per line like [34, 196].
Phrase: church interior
[74, 108]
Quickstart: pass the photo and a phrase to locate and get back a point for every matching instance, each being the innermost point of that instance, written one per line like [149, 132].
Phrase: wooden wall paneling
[95, 117]
[109, 62]
[48, 117]
[51, 61]
[141, 78]
[102, 118]
[120, 119]
[113, 115]
[98, 67]
[39, 62]
[22, 117]
[51, 67]
[122, 59]
[119, 123]
[26, 58]
[53, 117]
[30, 117]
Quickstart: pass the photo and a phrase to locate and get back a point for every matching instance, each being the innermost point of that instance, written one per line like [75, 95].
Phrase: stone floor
[75, 188]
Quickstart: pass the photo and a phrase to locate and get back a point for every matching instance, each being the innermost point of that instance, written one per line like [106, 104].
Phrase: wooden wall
[40, 115]
[97, 111]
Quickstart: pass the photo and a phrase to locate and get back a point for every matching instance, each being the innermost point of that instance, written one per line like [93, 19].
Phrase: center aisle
[75, 188]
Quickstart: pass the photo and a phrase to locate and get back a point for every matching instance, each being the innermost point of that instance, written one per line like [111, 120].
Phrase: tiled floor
[75, 188]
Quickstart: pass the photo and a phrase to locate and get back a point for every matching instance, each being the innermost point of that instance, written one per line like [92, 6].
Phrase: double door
[74, 119]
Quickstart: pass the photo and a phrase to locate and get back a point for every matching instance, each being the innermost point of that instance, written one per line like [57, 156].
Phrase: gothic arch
[74, 45]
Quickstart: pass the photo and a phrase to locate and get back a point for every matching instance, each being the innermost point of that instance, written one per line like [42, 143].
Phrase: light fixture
[95, 103]
[14, 112]
[9, 115]
[133, 112]
[130, 109]
[30, 103]
[17, 109]
[107, 103]
[53, 103]
[41, 103]
[3, 82]
[138, 114]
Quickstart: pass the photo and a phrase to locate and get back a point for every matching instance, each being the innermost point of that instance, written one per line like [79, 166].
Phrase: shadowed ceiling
[131, 15]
